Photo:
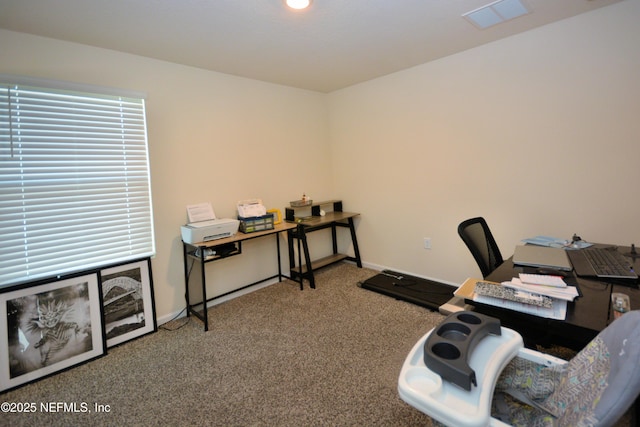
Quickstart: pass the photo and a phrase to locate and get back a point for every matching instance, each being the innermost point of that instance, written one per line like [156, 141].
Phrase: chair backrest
[595, 388]
[476, 235]
[622, 338]
[603, 380]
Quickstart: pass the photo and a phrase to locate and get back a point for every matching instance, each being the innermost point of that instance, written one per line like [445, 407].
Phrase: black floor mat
[416, 290]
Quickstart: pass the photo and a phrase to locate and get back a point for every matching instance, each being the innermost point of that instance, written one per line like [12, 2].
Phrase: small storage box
[256, 223]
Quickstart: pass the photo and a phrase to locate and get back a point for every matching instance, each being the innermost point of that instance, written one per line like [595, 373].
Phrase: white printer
[204, 227]
[205, 231]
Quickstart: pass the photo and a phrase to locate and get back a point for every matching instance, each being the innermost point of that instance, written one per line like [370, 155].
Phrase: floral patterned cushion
[553, 396]
[536, 381]
[576, 395]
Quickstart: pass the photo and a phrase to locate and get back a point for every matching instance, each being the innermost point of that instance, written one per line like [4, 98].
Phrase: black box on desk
[256, 223]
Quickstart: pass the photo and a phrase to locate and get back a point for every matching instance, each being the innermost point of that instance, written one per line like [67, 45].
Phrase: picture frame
[50, 327]
[127, 301]
[277, 216]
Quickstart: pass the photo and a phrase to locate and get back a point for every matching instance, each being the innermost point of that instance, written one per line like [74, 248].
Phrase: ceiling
[331, 45]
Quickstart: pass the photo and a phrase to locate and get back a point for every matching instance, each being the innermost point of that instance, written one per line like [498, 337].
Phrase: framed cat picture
[49, 327]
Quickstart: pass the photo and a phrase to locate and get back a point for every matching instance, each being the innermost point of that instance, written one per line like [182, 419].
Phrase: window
[74, 181]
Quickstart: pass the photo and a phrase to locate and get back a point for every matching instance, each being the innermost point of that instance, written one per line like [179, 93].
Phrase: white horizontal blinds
[74, 182]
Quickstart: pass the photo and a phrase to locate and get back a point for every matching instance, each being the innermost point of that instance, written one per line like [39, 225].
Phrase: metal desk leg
[278, 250]
[356, 250]
[186, 277]
[334, 238]
[307, 258]
[292, 259]
[187, 297]
[300, 276]
[204, 292]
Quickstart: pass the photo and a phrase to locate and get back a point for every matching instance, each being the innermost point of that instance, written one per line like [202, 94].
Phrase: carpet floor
[278, 356]
[275, 357]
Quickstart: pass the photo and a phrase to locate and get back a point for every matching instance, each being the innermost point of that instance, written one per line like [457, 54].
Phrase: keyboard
[609, 263]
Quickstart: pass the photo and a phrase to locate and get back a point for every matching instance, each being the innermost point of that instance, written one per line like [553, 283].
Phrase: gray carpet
[275, 357]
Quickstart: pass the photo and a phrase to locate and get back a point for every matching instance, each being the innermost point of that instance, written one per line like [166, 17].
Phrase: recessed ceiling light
[298, 4]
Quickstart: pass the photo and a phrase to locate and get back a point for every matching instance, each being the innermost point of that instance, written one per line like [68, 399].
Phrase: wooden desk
[587, 315]
[196, 299]
[331, 220]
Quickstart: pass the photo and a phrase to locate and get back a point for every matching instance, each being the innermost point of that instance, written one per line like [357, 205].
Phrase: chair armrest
[540, 358]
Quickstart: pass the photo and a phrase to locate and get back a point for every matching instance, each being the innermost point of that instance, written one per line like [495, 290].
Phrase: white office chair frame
[597, 386]
[451, 405]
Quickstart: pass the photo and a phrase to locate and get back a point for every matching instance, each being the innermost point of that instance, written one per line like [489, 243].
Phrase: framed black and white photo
[127, 299]
[51, 326]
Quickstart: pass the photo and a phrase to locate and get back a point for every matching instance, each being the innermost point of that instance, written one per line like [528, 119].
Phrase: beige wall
[212, 137]
[529, 132]
[520, 131]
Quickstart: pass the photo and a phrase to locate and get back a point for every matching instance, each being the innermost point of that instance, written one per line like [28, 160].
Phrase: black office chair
[476, 235]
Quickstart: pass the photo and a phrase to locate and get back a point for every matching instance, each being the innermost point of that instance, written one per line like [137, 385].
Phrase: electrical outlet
[427, 242]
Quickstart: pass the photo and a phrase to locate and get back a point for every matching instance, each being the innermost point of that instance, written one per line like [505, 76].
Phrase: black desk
[587, 315]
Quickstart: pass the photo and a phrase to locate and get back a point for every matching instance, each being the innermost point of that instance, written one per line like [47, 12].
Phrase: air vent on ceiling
[496, 12]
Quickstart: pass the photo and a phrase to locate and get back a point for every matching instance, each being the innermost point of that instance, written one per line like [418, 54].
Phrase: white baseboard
[377, 267]
[384, 267]
[228, 297]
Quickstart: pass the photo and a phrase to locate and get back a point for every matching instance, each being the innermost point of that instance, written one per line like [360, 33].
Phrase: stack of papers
[554, 242]
[557, 311]
[200, 212]
[543, 279]
[551, 286]
[251, 208]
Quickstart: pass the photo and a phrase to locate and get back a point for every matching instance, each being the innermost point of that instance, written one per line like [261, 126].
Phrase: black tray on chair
[448, 348]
